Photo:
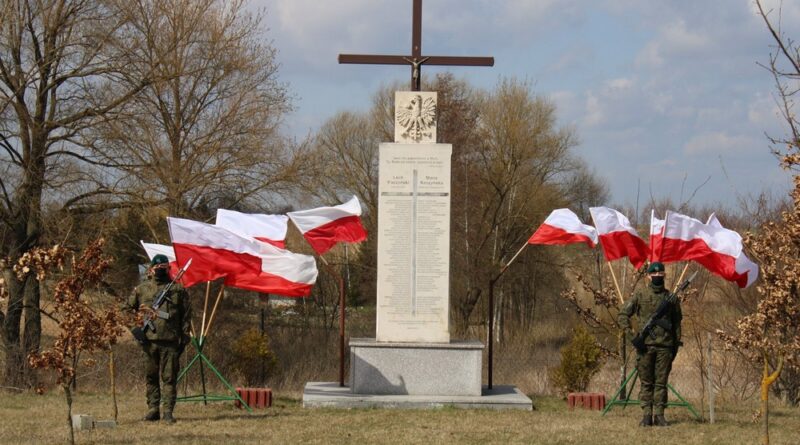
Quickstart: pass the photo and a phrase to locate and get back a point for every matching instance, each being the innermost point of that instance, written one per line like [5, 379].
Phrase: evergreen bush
[581, 359]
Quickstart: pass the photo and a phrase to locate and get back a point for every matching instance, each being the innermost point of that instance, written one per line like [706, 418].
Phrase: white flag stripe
[656, 225]
[292, 266]
[719, 239]
[567, 220]
[197, 233]
[743, 264]
[253, 224]
[607, 220]
[155, 249]
[306, 220]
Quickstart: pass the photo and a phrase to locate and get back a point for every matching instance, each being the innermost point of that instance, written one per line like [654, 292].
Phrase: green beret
[159, 259]
[655, 267]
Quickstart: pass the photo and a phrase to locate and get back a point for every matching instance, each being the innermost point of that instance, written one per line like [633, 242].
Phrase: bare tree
[771, 333]
[209, 129]
[61, 63]
[505, 181]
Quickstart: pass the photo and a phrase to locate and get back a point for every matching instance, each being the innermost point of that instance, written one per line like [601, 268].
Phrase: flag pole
[341, 318]
[214, 310]
[678, 283]
[205, 306]
[616, 285]
[514, 257]
[490, 331]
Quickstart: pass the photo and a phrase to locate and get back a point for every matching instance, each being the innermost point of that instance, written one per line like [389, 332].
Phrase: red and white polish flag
[244, 262]
[323, 227]
[715, 248]
[282, 272]
[617, 236]
[152, 250]
[746, 270]
[656, 236]
[270, 229]
[561, 227]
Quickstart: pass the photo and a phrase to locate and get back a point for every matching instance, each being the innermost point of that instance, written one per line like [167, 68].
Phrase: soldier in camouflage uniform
[165, 344]
[654, 365]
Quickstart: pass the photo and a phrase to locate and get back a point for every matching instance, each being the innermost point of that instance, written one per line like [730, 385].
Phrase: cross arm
[460, 61]
[372, 59]
[404, 60]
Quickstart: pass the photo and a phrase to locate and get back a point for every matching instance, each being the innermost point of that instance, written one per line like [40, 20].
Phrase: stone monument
[412, 362]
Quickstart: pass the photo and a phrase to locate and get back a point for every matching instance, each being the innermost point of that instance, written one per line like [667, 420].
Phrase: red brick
[255, 398]
[586, 400]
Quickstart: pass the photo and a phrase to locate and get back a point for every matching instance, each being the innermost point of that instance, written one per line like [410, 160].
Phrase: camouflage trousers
[161, 374]
[654, 367]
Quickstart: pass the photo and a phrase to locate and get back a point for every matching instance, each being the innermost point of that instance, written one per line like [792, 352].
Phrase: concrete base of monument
[420, 369]
[331, 395]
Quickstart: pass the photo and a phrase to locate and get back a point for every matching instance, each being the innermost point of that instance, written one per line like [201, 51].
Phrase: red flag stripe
[279, 244]
[550, 235]
[209, 263]
[268, 283]
[622, 244]
[347, 229]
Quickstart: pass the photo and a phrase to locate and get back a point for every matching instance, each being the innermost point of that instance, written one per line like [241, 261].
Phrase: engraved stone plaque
[415, 117]
[413, 243]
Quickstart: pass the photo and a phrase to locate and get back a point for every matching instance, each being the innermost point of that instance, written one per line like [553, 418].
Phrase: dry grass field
[32, 419]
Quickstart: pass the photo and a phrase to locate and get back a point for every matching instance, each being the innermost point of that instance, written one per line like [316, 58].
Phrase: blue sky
[663, 93]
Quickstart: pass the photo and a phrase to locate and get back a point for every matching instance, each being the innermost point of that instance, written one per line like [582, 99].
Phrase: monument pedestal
[393, 368]
[414, 376]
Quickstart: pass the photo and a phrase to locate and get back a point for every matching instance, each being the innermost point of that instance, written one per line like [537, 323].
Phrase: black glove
[675, 348]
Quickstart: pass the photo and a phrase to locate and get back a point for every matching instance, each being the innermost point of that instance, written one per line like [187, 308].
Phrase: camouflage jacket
[643, 304]
[174, 323]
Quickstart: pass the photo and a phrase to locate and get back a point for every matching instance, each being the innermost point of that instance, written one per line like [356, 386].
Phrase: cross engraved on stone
[414, 195]
[416, 59]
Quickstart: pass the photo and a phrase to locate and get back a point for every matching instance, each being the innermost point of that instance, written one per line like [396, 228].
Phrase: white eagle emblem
[417, 118]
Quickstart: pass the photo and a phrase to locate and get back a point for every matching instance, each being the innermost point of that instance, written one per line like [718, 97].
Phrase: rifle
[655, 319]
[139, 332]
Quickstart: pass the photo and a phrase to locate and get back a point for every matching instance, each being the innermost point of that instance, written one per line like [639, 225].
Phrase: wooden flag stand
[203, 361]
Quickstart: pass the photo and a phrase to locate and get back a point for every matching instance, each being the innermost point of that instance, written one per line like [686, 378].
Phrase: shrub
[252, 357]
[581, 359]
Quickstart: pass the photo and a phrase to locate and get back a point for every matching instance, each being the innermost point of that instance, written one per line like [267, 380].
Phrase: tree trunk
[11, 328]
[68, 394]
[25, 234]
[113, 380]
[33, 326]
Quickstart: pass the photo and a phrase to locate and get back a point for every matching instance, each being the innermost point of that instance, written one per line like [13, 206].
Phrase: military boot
[152, 415]
[167, 417]
[660, 420]
[647, 420]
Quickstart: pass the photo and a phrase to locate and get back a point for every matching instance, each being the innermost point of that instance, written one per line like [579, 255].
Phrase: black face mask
[658, 281]
[161, 275]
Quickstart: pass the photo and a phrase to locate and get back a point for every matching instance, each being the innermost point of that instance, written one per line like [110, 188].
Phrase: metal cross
[416, 59]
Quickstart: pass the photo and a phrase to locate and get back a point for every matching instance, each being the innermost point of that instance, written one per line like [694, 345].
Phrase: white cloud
[595, 114]
[619, 84]
[674, 40]
[721, 143]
